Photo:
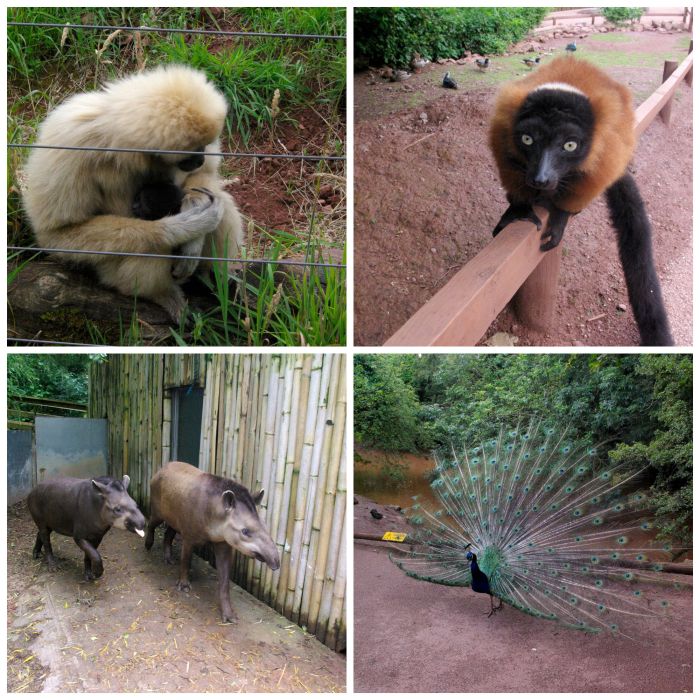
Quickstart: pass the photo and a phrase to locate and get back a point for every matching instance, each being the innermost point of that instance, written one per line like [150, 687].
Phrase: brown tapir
[207, 508]
[83, 509]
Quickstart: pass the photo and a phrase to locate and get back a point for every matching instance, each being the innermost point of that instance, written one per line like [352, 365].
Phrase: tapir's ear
[126, 481]
[257, 497]
[229, 500]
[99, 487]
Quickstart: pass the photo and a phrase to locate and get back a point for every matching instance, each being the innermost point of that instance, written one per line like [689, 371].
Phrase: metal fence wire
[272, 156]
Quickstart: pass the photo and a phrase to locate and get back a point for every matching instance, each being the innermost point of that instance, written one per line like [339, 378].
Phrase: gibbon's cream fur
[83, 199]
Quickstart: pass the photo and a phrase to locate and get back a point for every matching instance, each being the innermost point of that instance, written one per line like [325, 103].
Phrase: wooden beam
[461, 312]
[647, 111]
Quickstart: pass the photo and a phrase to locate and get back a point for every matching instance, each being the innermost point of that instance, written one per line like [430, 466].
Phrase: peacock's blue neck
[491, 559]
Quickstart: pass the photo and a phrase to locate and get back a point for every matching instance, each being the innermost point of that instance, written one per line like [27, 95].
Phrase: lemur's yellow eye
[570, 146]
[527, 139]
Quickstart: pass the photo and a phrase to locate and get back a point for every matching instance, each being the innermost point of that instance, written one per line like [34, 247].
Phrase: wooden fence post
[534, 301]
[689, 74]
[665, 113]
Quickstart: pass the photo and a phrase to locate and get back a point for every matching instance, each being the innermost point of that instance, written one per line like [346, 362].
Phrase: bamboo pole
[326, 526]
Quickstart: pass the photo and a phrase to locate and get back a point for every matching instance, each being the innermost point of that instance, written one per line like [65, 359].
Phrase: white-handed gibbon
[84, 199]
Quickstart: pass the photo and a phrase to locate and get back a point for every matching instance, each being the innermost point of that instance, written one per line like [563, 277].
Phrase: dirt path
[399, 620]
[427, 196]
[132, 631]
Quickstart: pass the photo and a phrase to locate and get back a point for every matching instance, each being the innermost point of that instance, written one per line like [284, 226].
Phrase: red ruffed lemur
[561, 136]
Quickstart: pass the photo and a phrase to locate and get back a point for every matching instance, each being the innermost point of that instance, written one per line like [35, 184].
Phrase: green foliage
[670, 451]
[48, 376]
[640, 405]
[386, 408]
[392, 35]
[620, 15]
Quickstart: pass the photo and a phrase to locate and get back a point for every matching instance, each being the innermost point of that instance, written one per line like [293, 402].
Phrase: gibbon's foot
[556, 224]
[174, 303]
[517, 212]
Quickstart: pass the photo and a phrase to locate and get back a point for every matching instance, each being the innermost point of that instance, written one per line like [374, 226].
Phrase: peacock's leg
[494, 608]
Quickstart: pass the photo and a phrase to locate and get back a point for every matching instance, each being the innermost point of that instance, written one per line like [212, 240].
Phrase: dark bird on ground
[482, 63]
[571, 46]
[376, 514]
[549, 526]
[531, 62]
[449, 82]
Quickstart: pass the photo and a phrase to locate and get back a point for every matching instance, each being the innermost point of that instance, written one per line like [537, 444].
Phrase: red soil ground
[415, 636]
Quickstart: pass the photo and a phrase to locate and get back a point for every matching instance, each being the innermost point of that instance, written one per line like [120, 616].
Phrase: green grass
[45, 65]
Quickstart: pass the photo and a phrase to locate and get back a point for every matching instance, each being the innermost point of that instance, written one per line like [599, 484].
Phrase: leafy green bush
[385, 35]
[620, 15]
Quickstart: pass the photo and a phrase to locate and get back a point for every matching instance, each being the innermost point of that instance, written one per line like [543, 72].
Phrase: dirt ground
[132, 631]
[427, 196]
[399, 620]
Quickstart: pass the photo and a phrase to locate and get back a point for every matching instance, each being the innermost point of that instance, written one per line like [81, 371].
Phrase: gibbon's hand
[184, 269]
[201, 213]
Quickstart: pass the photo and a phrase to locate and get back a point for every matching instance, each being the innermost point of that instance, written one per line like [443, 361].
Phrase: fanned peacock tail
[551, 526]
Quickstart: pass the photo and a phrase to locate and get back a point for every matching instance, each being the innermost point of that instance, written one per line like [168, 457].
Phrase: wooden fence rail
[510, 267]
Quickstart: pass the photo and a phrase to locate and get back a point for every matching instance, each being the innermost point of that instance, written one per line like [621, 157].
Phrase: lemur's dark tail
[634, 245]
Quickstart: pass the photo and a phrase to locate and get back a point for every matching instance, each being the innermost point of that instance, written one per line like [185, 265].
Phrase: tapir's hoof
[52, 566]
[88, 576]
[228, 617]
[169, 560]
[183, 586]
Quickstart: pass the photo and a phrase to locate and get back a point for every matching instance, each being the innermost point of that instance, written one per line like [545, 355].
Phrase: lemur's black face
[553, 131]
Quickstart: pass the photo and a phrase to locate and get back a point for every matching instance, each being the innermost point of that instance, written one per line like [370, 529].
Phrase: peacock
[538, 521]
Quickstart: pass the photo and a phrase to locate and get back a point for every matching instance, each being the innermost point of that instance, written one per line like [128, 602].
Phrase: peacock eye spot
[570, 146]
[527, 139]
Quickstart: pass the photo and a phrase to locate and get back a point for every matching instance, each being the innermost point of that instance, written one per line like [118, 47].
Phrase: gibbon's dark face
[156, 200]
[553, 131]
[191, 163]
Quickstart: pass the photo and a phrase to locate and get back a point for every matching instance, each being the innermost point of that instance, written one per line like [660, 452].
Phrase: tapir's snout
[272, 561]
[136, 523]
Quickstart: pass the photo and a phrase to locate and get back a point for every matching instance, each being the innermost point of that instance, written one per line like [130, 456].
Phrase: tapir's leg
[183, 583]
[93, 560]
[168, 544]
[224, 559]
[152, 525]
[44, 538]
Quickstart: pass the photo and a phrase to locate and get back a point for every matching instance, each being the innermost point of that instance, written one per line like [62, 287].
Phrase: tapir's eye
[117, 509]
[245, 532]
[570, 146]
[527, 139]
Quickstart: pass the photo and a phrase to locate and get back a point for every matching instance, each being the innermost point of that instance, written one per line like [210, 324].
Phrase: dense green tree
[55, 376]
[392, 35]
[386, 407]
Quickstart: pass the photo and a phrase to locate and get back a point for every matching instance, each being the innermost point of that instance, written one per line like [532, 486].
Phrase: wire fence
[172, 30]
[230, 154]
[272, 156]
[173, 256]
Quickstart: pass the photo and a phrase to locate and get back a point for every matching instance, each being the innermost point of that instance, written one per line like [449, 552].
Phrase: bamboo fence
[273, 422]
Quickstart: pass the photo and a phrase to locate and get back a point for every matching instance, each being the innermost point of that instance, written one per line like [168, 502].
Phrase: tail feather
[634, 244]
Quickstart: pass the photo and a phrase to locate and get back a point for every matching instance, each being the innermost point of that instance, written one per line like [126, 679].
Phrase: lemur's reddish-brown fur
[613, 134]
